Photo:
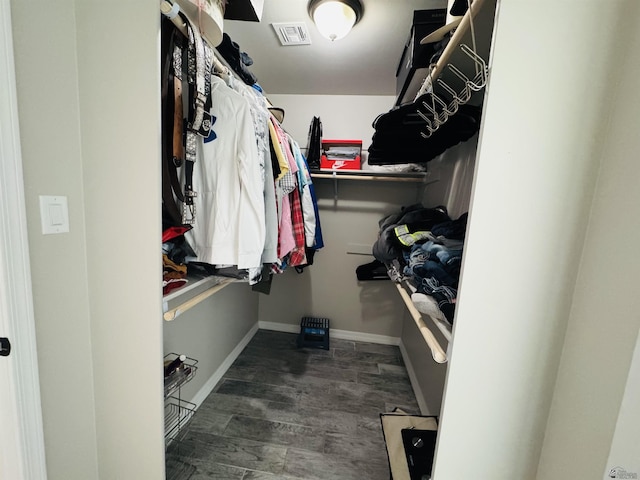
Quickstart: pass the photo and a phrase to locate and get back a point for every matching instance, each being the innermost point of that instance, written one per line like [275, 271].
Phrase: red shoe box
[327, 162]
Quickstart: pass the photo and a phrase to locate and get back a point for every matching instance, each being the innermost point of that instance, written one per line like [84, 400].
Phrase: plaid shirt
[298, 256]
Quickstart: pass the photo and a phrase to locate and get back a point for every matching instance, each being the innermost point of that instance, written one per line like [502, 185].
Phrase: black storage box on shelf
[414, 62]
[314, 333]
[245, 10]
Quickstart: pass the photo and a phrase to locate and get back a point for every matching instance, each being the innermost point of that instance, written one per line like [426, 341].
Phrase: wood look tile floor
[297, 414]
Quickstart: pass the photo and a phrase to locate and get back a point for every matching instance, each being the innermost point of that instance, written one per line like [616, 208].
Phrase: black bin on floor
[314, 333]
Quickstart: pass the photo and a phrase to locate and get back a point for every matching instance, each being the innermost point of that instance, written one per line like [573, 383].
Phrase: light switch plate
[54, 214]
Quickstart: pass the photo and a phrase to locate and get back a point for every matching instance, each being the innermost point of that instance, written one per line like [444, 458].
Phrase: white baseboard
[208, 387]
[279, 327]
[424, 410]
[364, 337]
[339, 334]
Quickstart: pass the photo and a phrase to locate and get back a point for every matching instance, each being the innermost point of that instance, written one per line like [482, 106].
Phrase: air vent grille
[292, 33]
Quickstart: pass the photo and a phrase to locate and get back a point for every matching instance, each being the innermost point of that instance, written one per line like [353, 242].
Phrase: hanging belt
[199, 64]
[171, 190]
[178, 121]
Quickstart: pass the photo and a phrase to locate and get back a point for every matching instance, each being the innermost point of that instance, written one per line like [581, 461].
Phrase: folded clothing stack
[398, 139]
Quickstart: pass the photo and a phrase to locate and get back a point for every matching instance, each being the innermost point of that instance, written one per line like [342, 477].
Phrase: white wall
[540, 147]
[47, 85]
[604, 321]
[343, 116]
[119, 93]
[625, 448]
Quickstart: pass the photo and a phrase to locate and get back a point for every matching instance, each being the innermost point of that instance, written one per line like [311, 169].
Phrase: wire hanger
[438, 111]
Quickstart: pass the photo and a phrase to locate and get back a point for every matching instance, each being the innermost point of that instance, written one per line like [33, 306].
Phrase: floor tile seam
[249, 469]
[239, 465]
[195, 427]
[270, 403]
[356, 438]
[404, 387]
[320, 411]
[404, 373]
[260, 383]
[289, 402]
[357, 365]
[299, 385]
[386, 375]
[277, 421]
[275, 353]
[381, 460]
[387, 387]
[315, 430]
[283, 474]
[274, 445]
[309, 376]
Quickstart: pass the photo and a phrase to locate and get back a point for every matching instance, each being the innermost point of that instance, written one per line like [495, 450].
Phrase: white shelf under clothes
[190, 295]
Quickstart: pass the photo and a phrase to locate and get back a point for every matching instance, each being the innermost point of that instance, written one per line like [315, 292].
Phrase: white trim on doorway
[23, 435]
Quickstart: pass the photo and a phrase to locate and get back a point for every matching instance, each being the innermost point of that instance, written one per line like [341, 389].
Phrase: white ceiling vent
[292, 33]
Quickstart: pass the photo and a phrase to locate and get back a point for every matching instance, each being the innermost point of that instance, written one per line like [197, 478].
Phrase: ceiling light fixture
[335, 18]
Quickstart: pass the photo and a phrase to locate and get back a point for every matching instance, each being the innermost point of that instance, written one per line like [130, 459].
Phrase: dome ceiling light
[335, 18]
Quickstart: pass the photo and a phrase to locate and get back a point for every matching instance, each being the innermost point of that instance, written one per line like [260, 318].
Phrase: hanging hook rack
[480, 80]
[439, 111]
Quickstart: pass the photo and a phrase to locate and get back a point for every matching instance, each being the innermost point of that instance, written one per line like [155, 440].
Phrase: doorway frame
[22, 438]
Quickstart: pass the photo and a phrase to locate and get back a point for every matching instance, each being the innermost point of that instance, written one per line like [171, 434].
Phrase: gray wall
[211, 330]
[329, 288]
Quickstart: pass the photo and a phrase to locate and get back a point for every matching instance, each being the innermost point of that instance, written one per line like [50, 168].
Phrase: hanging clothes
[297, 254]
[304, 183]
[228, 179]
[260, 116]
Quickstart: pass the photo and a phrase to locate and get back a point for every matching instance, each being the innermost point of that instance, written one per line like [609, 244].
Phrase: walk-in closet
[248, 397]
[530, 374]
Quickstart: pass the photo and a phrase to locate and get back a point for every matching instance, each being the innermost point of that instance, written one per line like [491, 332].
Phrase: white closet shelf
[413, 177]
[193, 293]
[437, 352]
